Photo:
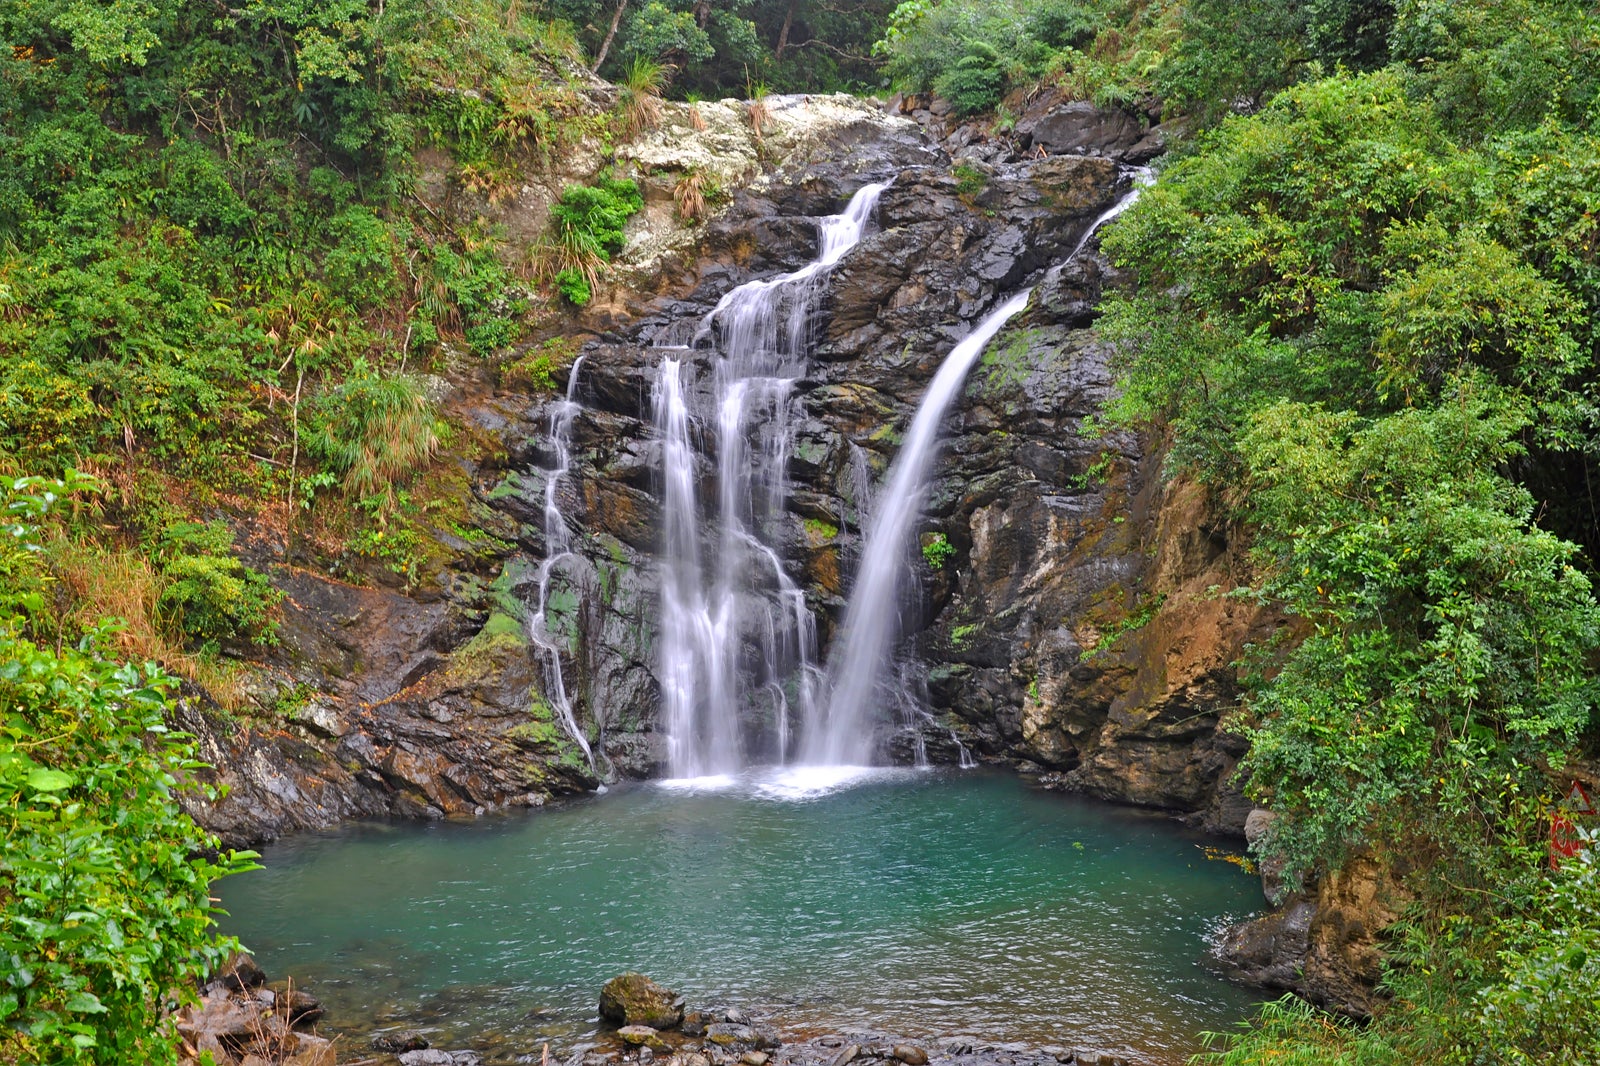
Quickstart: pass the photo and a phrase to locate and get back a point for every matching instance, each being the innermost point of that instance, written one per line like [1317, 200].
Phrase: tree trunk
[605, 45]
[783, 34]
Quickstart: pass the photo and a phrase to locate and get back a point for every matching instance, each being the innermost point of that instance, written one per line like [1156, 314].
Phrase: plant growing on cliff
[587, 223]
[105, 913]
[639, 95]
[210, 595]
[375, 430]
[937, 551]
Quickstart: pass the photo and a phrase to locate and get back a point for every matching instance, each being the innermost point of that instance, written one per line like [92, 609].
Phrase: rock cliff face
[1071, 627]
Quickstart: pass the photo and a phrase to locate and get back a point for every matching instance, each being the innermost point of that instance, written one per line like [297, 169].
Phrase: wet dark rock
[299, 1006]
[241, 972]
[634, 1000]
[727, 1033]
[910, 1054]
[1057, 125]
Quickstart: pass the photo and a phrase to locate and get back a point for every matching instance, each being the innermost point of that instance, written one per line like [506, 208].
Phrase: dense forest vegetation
[1365, 316]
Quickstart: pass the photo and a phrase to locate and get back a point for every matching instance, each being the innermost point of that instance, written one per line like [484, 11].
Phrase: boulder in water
[634, 999]
[395, 1043]
[910, 1054]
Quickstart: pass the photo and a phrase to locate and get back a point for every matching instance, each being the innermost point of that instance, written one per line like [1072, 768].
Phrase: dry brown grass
[690, 193]
[121, 583]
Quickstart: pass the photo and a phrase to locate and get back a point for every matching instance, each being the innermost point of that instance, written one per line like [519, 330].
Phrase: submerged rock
[642, 1036]
[395, 1043]
[632, 999]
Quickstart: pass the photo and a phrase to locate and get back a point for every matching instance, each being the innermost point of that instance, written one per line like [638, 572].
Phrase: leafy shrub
[593, 216]
[210, 596]
[105, 913]
[1062, 23]
[588, 224]
[574, 285]
[973, 85]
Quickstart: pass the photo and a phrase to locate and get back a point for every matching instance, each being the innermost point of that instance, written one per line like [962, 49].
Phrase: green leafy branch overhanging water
[106, 921]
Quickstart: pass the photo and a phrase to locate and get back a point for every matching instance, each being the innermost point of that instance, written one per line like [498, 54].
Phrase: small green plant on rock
[819, 531]
[588, 224]
[970, 181]
[938, 551]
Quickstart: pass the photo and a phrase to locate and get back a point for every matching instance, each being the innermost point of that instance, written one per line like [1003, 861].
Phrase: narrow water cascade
[725, 587]
[843, 734]
[558, 550]
[862, 655]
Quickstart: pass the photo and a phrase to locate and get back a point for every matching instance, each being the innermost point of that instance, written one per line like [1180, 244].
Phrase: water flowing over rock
[558, 550]
[871, 621]
[735, 628]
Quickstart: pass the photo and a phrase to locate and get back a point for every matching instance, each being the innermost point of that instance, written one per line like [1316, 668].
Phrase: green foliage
[592, 216]
[1129, 623]
[1544, 1007]
[820, 531]
[1446, 659]
[24, 502]
[588, 224]
[210, 596]
[970, 181]
[974, 84]
[973, 53]
[658, 32]
[376, 430]
[105, 915]
[937, 551]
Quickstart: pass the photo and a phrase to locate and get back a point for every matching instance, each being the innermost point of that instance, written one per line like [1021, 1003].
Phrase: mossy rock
[634, 999]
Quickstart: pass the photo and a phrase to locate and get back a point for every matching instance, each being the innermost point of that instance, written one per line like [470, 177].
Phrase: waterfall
[841, 734]
[557, 550]
[727, 589]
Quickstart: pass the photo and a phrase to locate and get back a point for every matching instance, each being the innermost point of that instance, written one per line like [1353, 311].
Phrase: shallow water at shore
[927, 903]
